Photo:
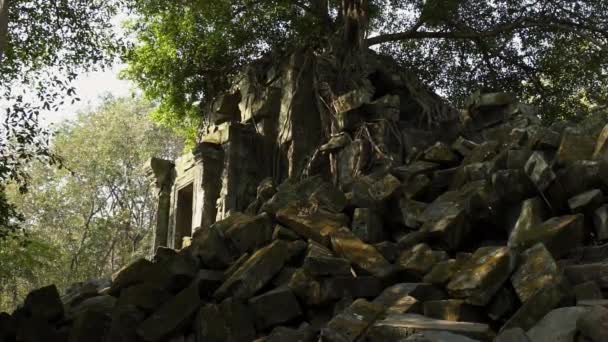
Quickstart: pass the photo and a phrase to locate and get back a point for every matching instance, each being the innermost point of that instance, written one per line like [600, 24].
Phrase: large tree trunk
[3, 26]
[355, 15]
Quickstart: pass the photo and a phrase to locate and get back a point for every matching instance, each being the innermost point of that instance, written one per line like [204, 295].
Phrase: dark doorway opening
[183, 222]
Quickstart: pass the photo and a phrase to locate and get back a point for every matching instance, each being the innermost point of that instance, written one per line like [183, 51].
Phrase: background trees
[552, 53]
[95, 214]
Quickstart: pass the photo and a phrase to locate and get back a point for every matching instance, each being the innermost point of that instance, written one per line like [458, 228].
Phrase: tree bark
[3, 26]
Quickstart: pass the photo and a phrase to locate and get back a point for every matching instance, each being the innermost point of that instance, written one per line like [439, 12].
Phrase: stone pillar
[161, 172]
[209, 159]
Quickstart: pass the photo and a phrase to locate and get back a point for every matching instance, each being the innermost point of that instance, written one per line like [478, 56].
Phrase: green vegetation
[95, 214]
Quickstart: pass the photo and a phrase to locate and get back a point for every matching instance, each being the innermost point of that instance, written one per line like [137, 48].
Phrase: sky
[89, 88]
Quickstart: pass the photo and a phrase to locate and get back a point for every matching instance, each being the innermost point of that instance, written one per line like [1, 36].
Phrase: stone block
[408, 297]
[255, 273]
[361, 255]
[482, 276]
[394, 327]
[575, 146]
[441, 153]
[367, 225]
[600, 151]
[329, 197]
[352, 323]
[125, 320]
[209, 246]
[537, 306]
[578, 274]
[513, 335]
[593, 324]
[45, 304]
[420, 259]
[443, 271]
[516, 159]
[411, 211]
[529, 215]
[587, 202]
[274, 307]
[600, 222]
[90, 326]
[463, 146]
[172, 315]
[587, 291]
[420, 167]
[246, 232]
[560, 235]
[326, 266]
[557, 325]
[311, 223]
[229, 321]
[388, 249]
[282, 233]
[536, 270]
[452, 310]
[438, 336]
[539, 170]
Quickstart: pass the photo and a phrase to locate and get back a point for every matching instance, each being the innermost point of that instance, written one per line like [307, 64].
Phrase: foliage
[96, 213]
[44, 45]
[550, 52]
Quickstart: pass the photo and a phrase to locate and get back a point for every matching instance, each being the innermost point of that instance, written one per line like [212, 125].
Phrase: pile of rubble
[495, 236]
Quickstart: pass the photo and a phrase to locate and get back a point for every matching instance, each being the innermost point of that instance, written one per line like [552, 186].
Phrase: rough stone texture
[367, 225]
[229, 321]
[600, 222]
[396, 327]
[452, 310]
[538, 168]
[587, 291]
[575, 146]
[578, 274]
[265, 308]
[245, 232]
[352, 322]
[482, 276]
[557, 325]
[310, 222]
[586, 202]
[513, 335]
[254, 273]
[44, 303]
[537, 307]
[362, 256]
[420, 259]
[593, 324]
[171, 316]
[558, 234]
[536, 270]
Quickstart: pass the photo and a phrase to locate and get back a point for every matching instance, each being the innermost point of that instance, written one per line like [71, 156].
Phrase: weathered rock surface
[489, 230]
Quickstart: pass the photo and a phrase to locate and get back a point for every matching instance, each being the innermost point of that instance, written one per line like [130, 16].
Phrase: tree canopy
[550, 52]
[97, 213]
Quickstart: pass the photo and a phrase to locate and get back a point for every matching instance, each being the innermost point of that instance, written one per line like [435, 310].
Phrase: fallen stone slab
[362, 256]
[311, 223]
[171, 316]
[587, 291]
[539, 169]
[537, 306]
[90, 326]
[482, 276]
[255, 272]
[411, 212]
[559, 235]
[438, 336]
[44, 303]
[441, 153]
[246, 232]
[420, 259]
[279, 334]
[587, 202]
[408, 297]
[575, 146]
[578, 274]
[210, 247]
[593, 324]
[326, 266]
[124, 322]
[229, 321]
[513, 335]
[557, 325]
[420, 167]
[274, 307]
[536, 270]
[367, 225]
[600, 222]
[452, 310]
[352, 323]
[395, 328]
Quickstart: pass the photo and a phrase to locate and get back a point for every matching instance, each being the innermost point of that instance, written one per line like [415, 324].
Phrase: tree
[44, 45]
[97, 213]
[550, 52]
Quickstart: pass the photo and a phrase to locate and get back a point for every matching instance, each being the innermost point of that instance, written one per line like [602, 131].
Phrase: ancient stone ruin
[482, 225]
